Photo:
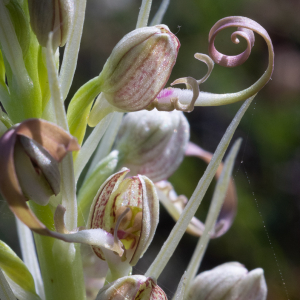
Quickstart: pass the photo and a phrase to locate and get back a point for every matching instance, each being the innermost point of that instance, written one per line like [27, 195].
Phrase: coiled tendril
[174, 98]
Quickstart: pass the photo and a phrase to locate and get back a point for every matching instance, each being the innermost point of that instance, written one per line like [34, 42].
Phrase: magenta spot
[165, 93]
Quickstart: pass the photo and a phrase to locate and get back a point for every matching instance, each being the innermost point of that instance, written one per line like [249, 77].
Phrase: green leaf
[15, 269]
[80, 106]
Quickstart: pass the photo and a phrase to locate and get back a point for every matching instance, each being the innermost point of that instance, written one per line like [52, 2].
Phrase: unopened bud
[230, 281]
[138, 68]
[128, 209]
[152, 143]
[132, 287]
[51, 16]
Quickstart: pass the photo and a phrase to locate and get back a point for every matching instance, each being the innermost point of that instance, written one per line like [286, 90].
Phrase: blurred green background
[266, 231]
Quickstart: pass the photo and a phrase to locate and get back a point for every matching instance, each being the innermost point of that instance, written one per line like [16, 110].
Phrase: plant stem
[144, 14]
[60, 262]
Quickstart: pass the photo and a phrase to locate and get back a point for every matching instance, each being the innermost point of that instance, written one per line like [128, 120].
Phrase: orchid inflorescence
[116, 209]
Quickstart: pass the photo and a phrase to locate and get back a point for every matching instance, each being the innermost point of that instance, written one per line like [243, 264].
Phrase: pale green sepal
[5, 290]
[91, 185]
[100, 110]
[20, 293]
[80, 106]
[15, 269]
[71, 50]
[56, 97]
[20, 23]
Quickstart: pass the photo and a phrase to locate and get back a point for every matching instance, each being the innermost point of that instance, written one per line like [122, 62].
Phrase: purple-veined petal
[150, 218]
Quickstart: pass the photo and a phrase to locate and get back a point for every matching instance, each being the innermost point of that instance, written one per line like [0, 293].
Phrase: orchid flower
[115, 211]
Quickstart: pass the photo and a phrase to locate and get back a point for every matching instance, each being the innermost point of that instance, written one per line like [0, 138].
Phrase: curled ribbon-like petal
[229, 208]
[175, 204]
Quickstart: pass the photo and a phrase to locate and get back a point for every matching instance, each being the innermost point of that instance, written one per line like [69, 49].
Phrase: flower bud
[128, 209]
[131, 288]
[138, 68]
[230, 281]
[153, 143]
[51, 16]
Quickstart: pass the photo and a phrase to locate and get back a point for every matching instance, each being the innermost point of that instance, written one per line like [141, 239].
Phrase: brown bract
[53, 139]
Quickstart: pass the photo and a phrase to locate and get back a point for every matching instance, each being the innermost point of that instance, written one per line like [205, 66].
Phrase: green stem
[144, 14]
[60, 262]
[80, 107]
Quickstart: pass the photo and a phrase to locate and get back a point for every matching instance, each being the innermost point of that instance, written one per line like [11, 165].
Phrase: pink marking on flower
[165, 93]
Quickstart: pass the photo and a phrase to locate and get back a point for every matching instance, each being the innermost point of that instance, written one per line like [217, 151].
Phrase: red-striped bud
[137, 70]
[136, 287]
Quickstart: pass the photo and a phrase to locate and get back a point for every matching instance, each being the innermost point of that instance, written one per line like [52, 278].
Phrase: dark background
[266, 231]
